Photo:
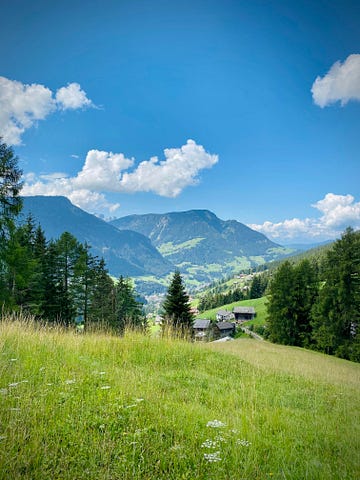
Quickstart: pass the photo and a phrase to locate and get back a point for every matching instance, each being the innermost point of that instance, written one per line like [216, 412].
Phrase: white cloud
[105, 172]
[338, 212]
[102, 171]
[22, 106]
[72, 97]
[169, 177]
[341, 83]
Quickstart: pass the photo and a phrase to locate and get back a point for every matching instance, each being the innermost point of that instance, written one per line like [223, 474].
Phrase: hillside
[143, 408]
[126, 252]
[202, 245]
[257, 303]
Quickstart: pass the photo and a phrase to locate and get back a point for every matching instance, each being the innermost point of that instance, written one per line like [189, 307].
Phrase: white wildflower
[13, 359]
[102, 373]
[243, 442]
[3, 391]
[210, 444]
[70, 382]
[15, 384]
[212, 457]
[105, 387]
[216, 424]
[138, 400]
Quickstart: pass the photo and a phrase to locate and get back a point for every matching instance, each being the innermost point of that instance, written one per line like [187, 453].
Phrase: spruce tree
[336, 316]
[177, 310]
[128, 312]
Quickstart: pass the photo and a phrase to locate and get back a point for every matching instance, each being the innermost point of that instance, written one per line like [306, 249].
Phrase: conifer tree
[128, 312]
[336, 316]
[177, 310]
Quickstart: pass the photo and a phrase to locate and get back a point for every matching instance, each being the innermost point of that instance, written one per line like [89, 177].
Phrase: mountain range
[150, 246]
[126, 253]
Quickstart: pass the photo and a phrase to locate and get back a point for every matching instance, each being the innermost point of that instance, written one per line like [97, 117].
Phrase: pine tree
[128, 312]
[281, 322]
[102, 307]
[10, 186]
[177, 310]
[336, 316]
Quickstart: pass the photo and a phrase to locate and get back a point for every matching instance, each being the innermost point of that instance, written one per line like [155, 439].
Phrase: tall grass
[96, 406]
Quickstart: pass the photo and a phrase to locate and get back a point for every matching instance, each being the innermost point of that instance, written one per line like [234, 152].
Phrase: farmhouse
[224, 329]
[201, 329]
[224, 316]
[244, 313]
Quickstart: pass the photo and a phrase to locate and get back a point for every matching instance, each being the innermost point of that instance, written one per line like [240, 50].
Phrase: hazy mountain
[201, 244]
[126, 252]
[307, 246]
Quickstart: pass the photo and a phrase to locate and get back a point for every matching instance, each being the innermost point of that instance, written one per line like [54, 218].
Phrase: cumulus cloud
[170, 176]
[337, 213]
[106, 172]
[341, 83]
[72, 97]
[22, 106]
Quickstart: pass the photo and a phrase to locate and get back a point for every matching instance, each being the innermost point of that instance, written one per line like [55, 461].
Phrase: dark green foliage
[10, 186]
[292, 293]
[102, 307]
[177, 310]
[213, 300]
[128, 312]
[258, 286]
[336, 316]
[317, 305]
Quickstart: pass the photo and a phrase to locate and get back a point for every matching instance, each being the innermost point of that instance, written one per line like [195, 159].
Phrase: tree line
[214, 299]
[57, 280]
[317, 304]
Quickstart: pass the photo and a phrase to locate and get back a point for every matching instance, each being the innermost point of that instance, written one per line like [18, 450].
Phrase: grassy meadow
[258, 303]
[96, 406]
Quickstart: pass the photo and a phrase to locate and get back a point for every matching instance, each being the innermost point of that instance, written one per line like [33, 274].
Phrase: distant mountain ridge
[201, 244]
[149, 247]
[126, 252]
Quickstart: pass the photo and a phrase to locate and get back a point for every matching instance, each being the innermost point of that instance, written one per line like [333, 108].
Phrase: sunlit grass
[96, 406]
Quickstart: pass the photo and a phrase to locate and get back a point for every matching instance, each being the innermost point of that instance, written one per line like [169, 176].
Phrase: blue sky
[247, 108]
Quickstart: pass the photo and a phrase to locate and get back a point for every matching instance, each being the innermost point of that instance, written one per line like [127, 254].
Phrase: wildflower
[131, 406]
[216, 424]
[209, 444]
[49, 384]
[105, 387]
[15, 384]
[69, 382]
[102, 373]
[3, 391]
[212, 457]
[138, 400]
[13, 359]
[14, 409]
[219, 438]
[41, 369]
[243, 442]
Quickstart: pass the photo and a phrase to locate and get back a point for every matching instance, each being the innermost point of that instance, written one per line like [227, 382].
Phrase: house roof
[199, 323]
[223, 312]
[244, 310]
[225, 326]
